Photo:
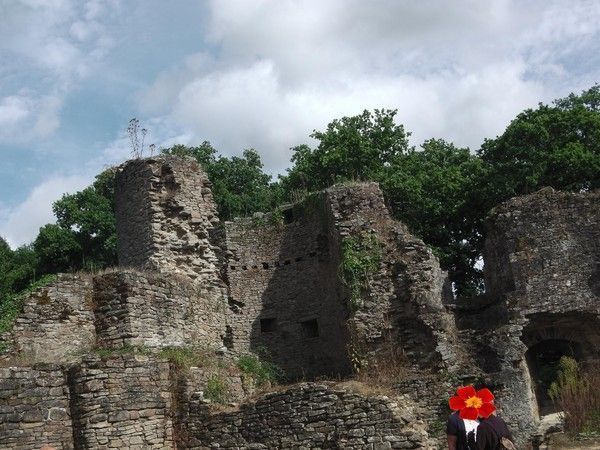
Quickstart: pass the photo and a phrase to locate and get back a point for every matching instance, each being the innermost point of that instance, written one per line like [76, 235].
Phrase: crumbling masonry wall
[542, 268]
[403, 303]
[146, 309]
[167, 222]
[122, 402]
[34, 408]
[310, 415]
[57, 321]
[284, 276]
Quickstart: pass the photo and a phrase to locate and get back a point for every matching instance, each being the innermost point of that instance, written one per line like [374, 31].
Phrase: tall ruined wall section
[403, 303]
[285, 296]
[167, 224]
[542, 269]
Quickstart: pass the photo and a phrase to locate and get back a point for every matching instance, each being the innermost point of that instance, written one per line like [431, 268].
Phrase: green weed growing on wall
[361, 256]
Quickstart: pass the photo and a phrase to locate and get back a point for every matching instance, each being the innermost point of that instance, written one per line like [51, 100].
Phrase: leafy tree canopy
[554, 145]
[351, 148]
[84, 236]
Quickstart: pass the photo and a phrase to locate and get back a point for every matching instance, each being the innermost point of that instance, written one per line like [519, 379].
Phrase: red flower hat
[473, 404]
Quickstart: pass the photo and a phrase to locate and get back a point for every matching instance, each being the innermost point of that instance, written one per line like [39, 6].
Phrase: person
[457, 430]
[493, 433]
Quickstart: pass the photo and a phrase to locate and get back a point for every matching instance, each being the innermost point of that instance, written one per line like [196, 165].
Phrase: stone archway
[543, 364]
[548, 337]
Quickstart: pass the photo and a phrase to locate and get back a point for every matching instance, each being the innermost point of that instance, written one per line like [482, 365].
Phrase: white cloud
[457, 70]
[19, 225]
[51, 45]
[26, 116]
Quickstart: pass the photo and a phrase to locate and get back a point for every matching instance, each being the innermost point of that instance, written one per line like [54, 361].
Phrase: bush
[216, 389]
[262, 372]
[576, 392]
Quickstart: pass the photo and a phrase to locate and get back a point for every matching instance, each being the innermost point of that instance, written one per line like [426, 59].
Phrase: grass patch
[262, 372]
[185, 357]
[361, 256]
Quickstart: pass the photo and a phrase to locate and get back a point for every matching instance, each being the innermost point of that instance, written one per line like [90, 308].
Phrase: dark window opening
[268, 325]
[288, 215]
[265, 265]
[312, 254]
[310, 328]
[287, 262]
[244, 267]
[232, 267]
[299, 258]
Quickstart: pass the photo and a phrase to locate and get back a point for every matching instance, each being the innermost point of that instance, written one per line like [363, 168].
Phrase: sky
[263, 74]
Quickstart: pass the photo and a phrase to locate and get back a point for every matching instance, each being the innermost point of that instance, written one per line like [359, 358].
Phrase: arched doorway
[543, 363]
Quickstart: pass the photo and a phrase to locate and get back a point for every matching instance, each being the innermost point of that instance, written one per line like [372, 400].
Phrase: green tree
[57, 249]
[554, 145]
[17, 268]
[84, 236]
[351, 148]
[433, 191]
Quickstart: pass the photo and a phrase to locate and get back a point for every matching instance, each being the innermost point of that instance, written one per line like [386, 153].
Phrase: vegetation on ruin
[12, 304]
[442, 192]
[216, 389]
[576, 392]
[262, 372]
[361, 256]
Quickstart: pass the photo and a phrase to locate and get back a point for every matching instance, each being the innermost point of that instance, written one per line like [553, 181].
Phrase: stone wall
[310, 415]
[541, 268]
[152, 310]
[34, 408]
[57, 322]
[121, 402]
[284, 291]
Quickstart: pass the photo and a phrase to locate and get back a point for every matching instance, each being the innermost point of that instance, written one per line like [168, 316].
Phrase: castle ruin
[273, 284]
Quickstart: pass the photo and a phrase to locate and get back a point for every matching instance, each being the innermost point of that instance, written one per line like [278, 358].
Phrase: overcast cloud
[264, 74]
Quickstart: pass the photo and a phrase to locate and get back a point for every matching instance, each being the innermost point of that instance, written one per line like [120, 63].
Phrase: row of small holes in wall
[267, 266]
[310, 328]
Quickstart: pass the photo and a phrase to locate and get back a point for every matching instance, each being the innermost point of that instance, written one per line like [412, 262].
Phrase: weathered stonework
[285, 295]
[121, 402]
[34, 408]
[310, 415]
[57, 322]
[404, 303]
[151, 310]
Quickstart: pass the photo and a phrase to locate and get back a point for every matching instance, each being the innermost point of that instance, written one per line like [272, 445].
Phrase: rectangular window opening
[310, 328]
[268, 325]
